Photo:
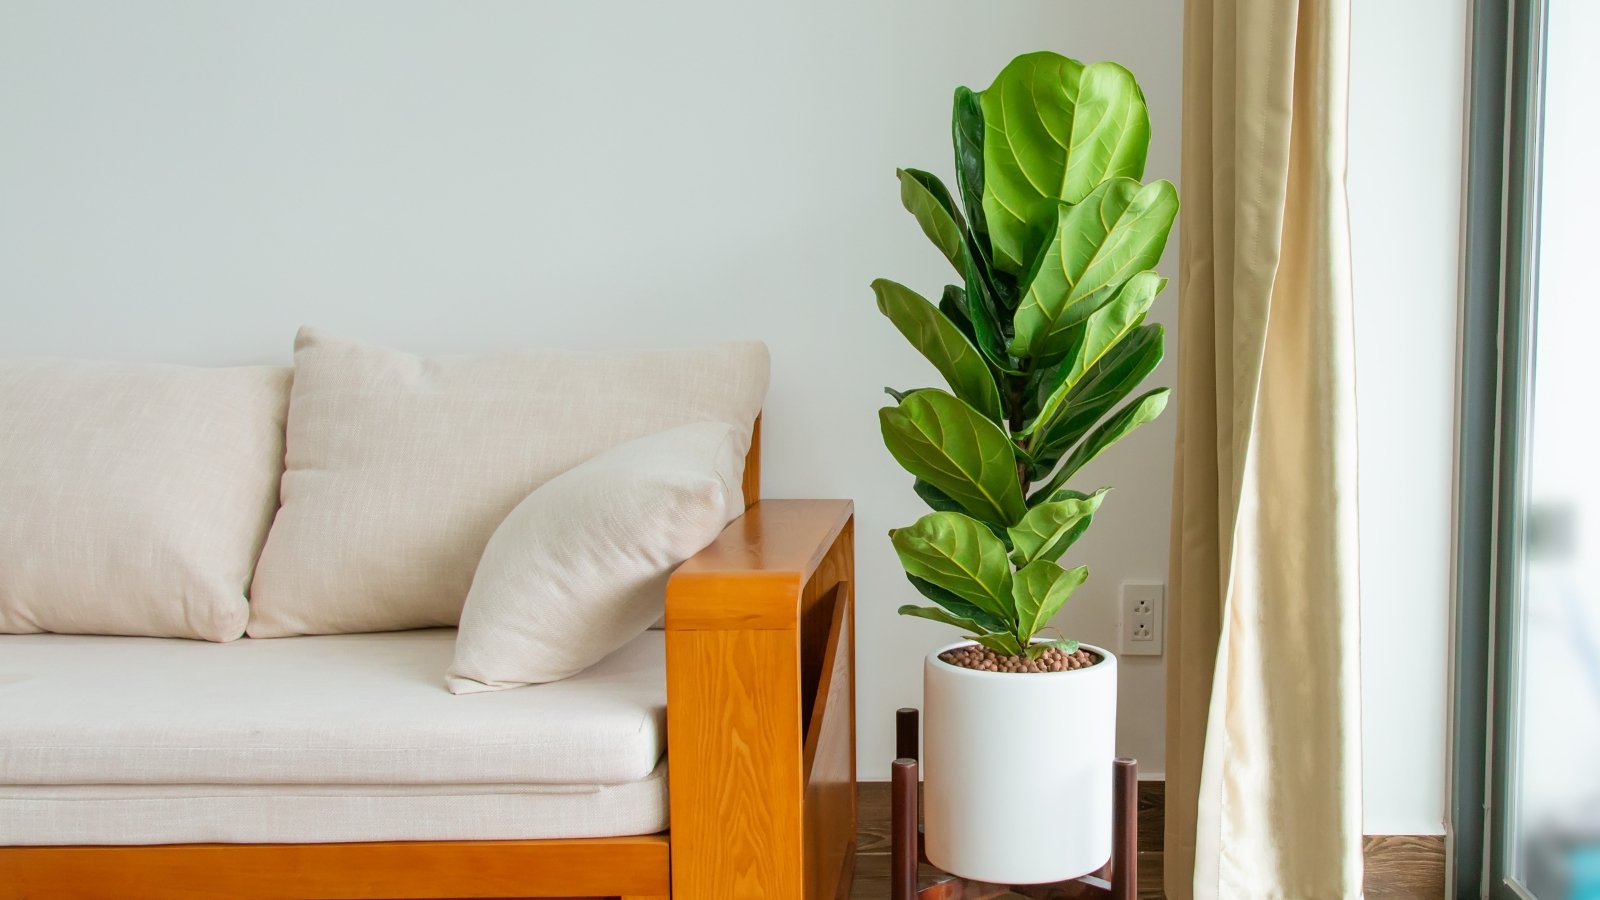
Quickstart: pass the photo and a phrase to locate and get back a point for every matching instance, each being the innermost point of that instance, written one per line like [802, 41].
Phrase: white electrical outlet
[1143, 614]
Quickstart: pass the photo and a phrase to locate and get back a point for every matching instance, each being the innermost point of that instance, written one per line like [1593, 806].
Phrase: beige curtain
[1263, 716]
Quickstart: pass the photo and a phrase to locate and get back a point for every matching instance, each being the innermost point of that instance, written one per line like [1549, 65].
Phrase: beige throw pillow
[135, 498]
[400, 467]
[580, 567]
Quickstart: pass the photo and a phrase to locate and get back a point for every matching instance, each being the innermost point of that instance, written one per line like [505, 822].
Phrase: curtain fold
[1263, 667]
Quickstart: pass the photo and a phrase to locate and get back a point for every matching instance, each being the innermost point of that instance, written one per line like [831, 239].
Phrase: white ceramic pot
[1017, 770]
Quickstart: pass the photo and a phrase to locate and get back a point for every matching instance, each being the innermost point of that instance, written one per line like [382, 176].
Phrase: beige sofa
[130, 758]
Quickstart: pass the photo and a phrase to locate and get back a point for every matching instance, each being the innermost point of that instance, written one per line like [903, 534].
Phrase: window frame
[1499, 243]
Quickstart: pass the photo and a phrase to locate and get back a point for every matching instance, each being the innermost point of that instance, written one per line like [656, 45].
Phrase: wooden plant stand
[1118, 879]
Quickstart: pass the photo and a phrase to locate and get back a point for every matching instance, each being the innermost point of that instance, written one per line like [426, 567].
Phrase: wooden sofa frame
[761, 761]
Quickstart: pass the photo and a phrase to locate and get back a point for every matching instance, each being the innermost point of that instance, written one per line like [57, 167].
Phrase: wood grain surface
[828, 760]
[748, 627]
[1404, 866]
[751, 482]
[735, 783]
[633, 866]
[752, 576]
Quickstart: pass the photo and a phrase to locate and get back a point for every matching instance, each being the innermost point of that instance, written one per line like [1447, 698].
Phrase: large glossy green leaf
[989, 326]
[1120, 425]
[1091, 342]
[943, 617]
[953, 303]
[1069, 494]
[948, 444]
[1050, 527]
[937, 339]
[1077, 530]
[966, 126]
[925, 196]
[1053, 130]
[1041, 385]
[960, 554]
[1039, 590]
[1000, 642]
[956, 605]
[1117, 231]
[939, 501]
[1107, 327]
[999, 289]
[1114, 378]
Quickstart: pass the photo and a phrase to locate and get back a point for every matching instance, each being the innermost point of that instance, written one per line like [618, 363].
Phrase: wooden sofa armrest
[761, 707]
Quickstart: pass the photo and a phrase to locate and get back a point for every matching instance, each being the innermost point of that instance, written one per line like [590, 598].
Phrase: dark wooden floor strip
[1152, 815]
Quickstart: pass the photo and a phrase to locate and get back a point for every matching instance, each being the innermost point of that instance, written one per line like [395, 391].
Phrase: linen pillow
[400, 468]
[580, 567]
[135, 497]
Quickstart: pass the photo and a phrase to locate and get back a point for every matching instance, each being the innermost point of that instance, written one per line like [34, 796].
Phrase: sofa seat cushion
[299, 814]
[366, 709]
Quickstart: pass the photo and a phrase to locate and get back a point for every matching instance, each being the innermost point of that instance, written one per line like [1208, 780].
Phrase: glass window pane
[1553, 814]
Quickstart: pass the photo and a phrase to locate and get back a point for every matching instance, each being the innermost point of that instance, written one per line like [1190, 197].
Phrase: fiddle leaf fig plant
[1053, 238]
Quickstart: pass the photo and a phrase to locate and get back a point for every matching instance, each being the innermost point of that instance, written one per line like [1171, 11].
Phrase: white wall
[189, 182]
[1406, 105]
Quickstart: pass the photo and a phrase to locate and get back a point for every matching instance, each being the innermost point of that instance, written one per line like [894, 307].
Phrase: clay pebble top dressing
[982, 659]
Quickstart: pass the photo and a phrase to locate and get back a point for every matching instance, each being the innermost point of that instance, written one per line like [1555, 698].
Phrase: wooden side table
[1118, 879]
